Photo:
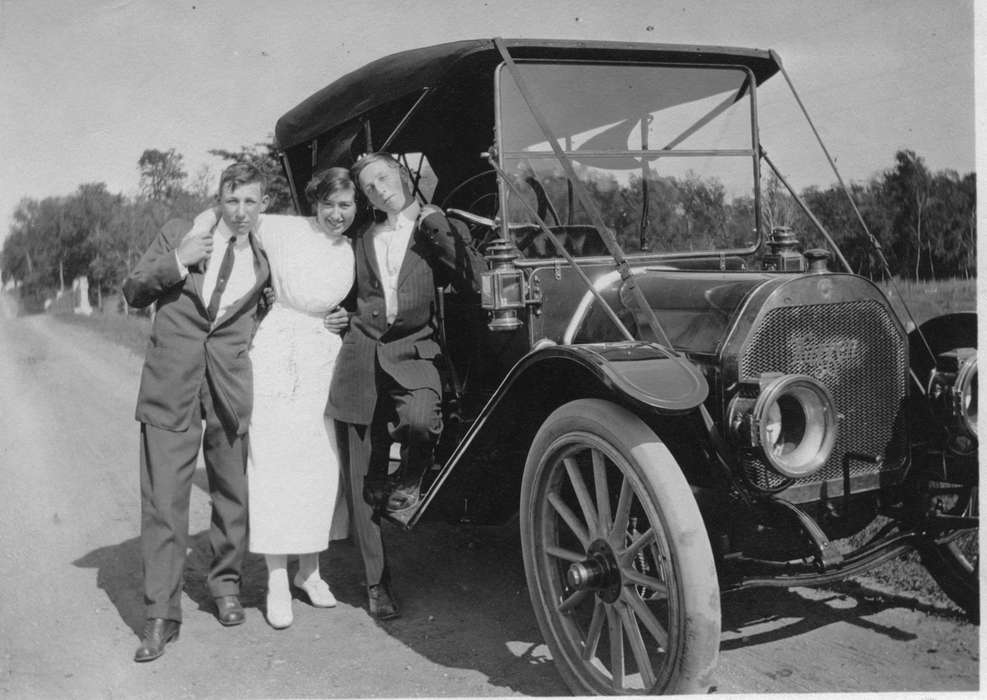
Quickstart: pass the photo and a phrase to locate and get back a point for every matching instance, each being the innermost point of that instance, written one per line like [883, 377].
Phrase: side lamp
[502, 287]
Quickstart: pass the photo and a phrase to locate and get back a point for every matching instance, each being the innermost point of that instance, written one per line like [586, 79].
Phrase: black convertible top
[402, 74]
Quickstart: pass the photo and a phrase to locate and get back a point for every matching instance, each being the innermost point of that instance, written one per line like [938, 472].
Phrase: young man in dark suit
[386, 386]
[197, 386]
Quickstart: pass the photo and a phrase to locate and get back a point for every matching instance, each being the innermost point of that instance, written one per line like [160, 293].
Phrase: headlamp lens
[796, 423]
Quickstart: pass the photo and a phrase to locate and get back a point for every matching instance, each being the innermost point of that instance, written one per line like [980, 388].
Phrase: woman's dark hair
[328, 182]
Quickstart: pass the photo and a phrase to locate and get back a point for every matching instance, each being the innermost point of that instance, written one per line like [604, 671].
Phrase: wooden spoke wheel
[617, 558]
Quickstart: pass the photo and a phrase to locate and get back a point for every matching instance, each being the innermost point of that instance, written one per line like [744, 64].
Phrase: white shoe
[279, 613]
[317, 591]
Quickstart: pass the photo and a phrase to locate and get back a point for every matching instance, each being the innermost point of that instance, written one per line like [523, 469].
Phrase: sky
[86, 87]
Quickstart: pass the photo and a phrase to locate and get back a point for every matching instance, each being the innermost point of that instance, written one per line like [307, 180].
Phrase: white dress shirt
[390, 245]
[242, 278]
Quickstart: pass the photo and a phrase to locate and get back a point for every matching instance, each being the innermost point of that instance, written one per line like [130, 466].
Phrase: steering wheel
[544, 204]
[473, 204]
[525, 236]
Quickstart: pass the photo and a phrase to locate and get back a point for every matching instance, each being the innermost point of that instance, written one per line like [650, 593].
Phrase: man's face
[383, 185]
[242, 206]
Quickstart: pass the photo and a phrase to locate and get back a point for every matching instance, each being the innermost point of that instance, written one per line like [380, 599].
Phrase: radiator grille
[855, 349]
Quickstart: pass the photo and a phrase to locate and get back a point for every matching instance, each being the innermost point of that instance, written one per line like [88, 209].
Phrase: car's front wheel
[618, 561]
[953, 559]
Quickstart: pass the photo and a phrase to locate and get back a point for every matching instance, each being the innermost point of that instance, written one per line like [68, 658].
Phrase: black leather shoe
[375, 493]
[404, 497]
[382, 605]
[228, 610]
[157, 633]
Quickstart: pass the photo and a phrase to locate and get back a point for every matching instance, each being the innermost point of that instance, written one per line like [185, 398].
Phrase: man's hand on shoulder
[266, 300]
[336, 320]
[436, 229]
[427, 210]
[196, 245]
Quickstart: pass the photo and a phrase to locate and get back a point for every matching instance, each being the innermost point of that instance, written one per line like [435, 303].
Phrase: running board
[788, 574]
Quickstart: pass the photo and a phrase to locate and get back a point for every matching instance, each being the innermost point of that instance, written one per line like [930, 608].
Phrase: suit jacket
[185, 347]
[439, 252]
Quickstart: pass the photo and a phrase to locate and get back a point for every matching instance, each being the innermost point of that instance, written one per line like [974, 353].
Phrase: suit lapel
[408, 263]
[197, 273]
[367, 241]
[262, 270]
[412, 259]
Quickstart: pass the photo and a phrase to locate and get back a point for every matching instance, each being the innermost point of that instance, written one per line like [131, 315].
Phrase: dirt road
[70, 602]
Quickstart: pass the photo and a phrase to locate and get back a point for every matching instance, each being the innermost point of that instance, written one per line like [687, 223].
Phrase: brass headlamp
[791, 422]
[502, 287]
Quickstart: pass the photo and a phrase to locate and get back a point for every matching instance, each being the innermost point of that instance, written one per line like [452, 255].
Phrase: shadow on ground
[461, 589]
[801, 611]
[465, 603]
[119, 573]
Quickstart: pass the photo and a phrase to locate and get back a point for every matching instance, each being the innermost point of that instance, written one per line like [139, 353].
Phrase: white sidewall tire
[694, 634]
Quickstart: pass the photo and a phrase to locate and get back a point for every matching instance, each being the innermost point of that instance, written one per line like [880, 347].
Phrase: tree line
[923, 221]
[98, 234]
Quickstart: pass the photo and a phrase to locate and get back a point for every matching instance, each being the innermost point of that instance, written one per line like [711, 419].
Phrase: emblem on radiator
[826, 358]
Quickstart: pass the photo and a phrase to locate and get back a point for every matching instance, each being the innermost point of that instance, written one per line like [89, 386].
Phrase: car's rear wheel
[618, 561]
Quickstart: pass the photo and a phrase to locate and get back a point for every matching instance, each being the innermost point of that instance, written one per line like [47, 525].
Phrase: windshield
[665, 152]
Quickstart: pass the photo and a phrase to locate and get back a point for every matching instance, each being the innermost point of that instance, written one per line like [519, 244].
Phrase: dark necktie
[225, 268]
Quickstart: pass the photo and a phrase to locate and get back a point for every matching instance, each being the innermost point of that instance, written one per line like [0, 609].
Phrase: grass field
[926, 300]
[129, 331]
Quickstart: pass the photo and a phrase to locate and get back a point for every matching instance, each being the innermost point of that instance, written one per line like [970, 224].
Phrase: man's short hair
[379, 157]
[242, 173]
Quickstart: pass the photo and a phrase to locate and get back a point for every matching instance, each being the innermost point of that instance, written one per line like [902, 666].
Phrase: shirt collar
[405, 218]
[223, 233]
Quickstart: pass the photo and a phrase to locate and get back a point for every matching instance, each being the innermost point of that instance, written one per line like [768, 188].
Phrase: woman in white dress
[293, 466]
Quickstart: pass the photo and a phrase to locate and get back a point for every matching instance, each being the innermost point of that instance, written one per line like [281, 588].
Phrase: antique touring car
[675, 397]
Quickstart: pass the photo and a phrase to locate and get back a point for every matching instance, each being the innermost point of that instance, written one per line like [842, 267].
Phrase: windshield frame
[748, 89]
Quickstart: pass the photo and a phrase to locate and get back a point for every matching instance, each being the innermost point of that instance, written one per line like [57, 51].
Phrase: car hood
[695, 308]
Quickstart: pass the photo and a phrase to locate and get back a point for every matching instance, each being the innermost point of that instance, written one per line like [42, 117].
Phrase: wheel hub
[599, 572]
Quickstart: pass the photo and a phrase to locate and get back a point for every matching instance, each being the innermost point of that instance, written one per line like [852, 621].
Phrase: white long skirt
[293, 468]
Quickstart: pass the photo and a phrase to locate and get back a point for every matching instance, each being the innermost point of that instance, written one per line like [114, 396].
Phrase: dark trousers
[411, 417]
[167, 466]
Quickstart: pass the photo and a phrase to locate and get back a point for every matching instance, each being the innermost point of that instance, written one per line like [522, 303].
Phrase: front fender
[642, 373]
[642, 377]
[939, 433]
[937, 335]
